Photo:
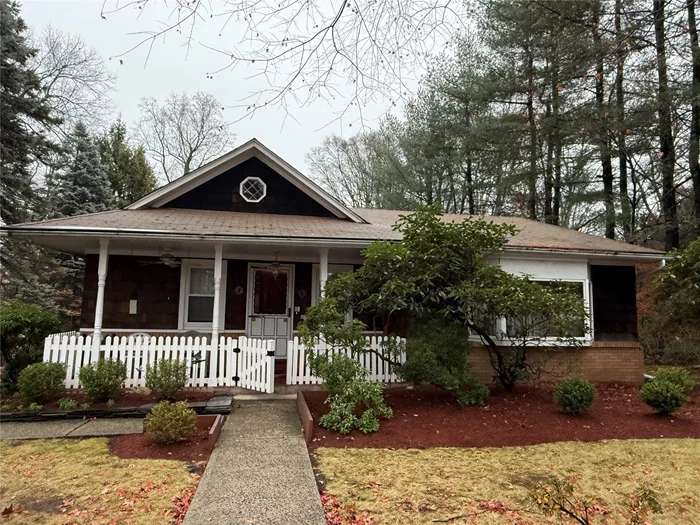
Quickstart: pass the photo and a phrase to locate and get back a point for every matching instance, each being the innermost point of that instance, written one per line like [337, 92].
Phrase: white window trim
[550, 341]
[187, 265]
[264, 186]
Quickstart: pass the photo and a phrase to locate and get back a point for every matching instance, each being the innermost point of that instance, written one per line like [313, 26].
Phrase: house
[245, 244]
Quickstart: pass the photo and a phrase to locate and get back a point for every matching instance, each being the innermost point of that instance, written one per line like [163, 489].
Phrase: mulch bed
[128, 398]
[139, 446]
[428, 417]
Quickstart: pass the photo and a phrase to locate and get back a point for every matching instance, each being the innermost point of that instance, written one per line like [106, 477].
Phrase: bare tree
[75, 80]
[183, 133]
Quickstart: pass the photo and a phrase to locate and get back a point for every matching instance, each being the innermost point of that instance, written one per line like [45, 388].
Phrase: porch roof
[167, 223]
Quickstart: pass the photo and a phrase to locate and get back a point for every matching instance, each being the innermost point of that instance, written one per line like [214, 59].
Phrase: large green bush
[166, 377]
[663, 396]
[103, 380]
[171, 422]
[678, 376]
[23, 328]
[41, 382]
[574, 395]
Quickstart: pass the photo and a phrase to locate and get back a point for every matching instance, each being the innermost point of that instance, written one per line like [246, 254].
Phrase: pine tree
[128, 170]
[82, 186]
[22, 107]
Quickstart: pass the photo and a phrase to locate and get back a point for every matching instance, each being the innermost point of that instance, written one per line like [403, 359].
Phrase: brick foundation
[602, 361]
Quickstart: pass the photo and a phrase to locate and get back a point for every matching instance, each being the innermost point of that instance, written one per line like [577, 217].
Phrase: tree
[24, 115]
[130, 175]
[440, 271]
[82, 186]
[184, 133]
[74, 78]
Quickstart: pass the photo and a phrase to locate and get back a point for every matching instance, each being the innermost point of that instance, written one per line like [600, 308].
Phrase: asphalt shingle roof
[531, 234]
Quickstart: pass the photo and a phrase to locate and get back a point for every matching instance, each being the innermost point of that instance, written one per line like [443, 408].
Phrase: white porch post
[99, 305]
[323, 269]
[218, 258]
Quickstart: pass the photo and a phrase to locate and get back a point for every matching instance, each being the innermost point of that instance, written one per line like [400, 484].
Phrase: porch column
[100, 303]
[323, 269]
[218, 258]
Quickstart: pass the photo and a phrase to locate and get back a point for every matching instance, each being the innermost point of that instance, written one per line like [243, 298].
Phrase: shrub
[166, 377]
[574, 395]
[41, 382]
[66, 403]
[103, 380]
[35, 407]
[171, 422]
[678, 376]
[354, 401]
[85, 406]
[23, 329]
[663, 396]
[683, 353]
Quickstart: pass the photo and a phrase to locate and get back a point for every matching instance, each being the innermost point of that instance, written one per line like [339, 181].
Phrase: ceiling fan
[167, 259]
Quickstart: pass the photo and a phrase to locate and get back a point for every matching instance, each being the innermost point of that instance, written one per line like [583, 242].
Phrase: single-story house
[243, 245]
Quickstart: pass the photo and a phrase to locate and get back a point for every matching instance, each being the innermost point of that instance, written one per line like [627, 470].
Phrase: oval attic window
[253, 189]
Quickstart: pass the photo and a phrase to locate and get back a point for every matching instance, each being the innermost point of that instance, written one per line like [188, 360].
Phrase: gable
[222, 193]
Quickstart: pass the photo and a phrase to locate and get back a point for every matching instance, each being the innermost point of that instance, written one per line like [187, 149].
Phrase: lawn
[78, 481]
[487, 484]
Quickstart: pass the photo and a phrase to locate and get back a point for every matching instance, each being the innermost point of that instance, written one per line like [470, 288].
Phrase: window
[197, 294]
[253, 189]
[532, 326]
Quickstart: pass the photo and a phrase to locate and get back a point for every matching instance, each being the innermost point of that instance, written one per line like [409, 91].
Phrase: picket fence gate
[379, 370]
[244, 362]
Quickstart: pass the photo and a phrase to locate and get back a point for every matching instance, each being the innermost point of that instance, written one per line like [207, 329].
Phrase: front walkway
[259, 472]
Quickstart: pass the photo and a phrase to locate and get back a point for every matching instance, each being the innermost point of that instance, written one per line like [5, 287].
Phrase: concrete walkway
[259, 472]
[71, 428]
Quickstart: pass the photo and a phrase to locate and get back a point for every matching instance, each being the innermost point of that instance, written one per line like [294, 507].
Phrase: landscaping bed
[428, 417]
[197, 449]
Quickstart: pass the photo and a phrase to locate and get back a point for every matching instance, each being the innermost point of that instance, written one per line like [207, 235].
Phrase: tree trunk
[556, 204]
[532, 175]
[549, 168]
[625, 217]
[603, 138]
[694, 146]
[667, 149]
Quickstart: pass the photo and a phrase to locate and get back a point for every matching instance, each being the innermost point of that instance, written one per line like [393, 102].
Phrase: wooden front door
[270, 305]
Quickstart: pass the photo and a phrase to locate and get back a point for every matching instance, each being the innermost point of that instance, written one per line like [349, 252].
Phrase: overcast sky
[168, 69]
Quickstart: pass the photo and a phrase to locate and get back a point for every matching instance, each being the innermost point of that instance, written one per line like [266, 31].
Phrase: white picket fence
[244, 362]
[379, 370]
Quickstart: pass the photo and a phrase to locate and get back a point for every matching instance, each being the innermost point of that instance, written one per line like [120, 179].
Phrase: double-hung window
[197, 294]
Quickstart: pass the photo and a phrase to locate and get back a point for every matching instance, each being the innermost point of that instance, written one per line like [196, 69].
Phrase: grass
[78, 481]
[422, 486]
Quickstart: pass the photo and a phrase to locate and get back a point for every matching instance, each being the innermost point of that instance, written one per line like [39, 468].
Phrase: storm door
[270, 304]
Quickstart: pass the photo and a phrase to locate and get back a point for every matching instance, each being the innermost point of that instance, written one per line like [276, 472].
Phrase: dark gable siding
[614, 303]
[156, 287]
[222, 194]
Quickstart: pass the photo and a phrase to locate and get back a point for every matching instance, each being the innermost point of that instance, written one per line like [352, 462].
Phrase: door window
[270, 292]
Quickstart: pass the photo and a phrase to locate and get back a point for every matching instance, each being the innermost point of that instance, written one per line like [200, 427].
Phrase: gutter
[97, 232]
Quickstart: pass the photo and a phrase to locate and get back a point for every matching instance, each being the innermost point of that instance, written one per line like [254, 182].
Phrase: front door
[270, 304]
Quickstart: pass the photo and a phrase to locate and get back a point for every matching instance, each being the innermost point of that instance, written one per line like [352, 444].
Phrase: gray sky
[169, 69]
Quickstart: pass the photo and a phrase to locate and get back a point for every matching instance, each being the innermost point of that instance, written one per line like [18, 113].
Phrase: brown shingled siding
[156, 287]
[602, 361]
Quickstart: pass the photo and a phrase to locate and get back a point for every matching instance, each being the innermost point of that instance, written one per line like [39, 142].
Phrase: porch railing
[298, 372]
[244, 362]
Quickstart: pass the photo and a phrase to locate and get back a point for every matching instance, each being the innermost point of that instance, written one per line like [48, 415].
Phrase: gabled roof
[252, 148]
[169, 223]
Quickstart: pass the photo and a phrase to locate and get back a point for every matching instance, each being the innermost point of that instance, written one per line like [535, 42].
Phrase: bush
[171, 422]
[574, 396]
[35, 407]
[682, 353]
[355, 402]
[66, 403]
[103, 380]
[41, 382]
[678, 376]
[166, 377]
[663, 396]
[23, 329]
